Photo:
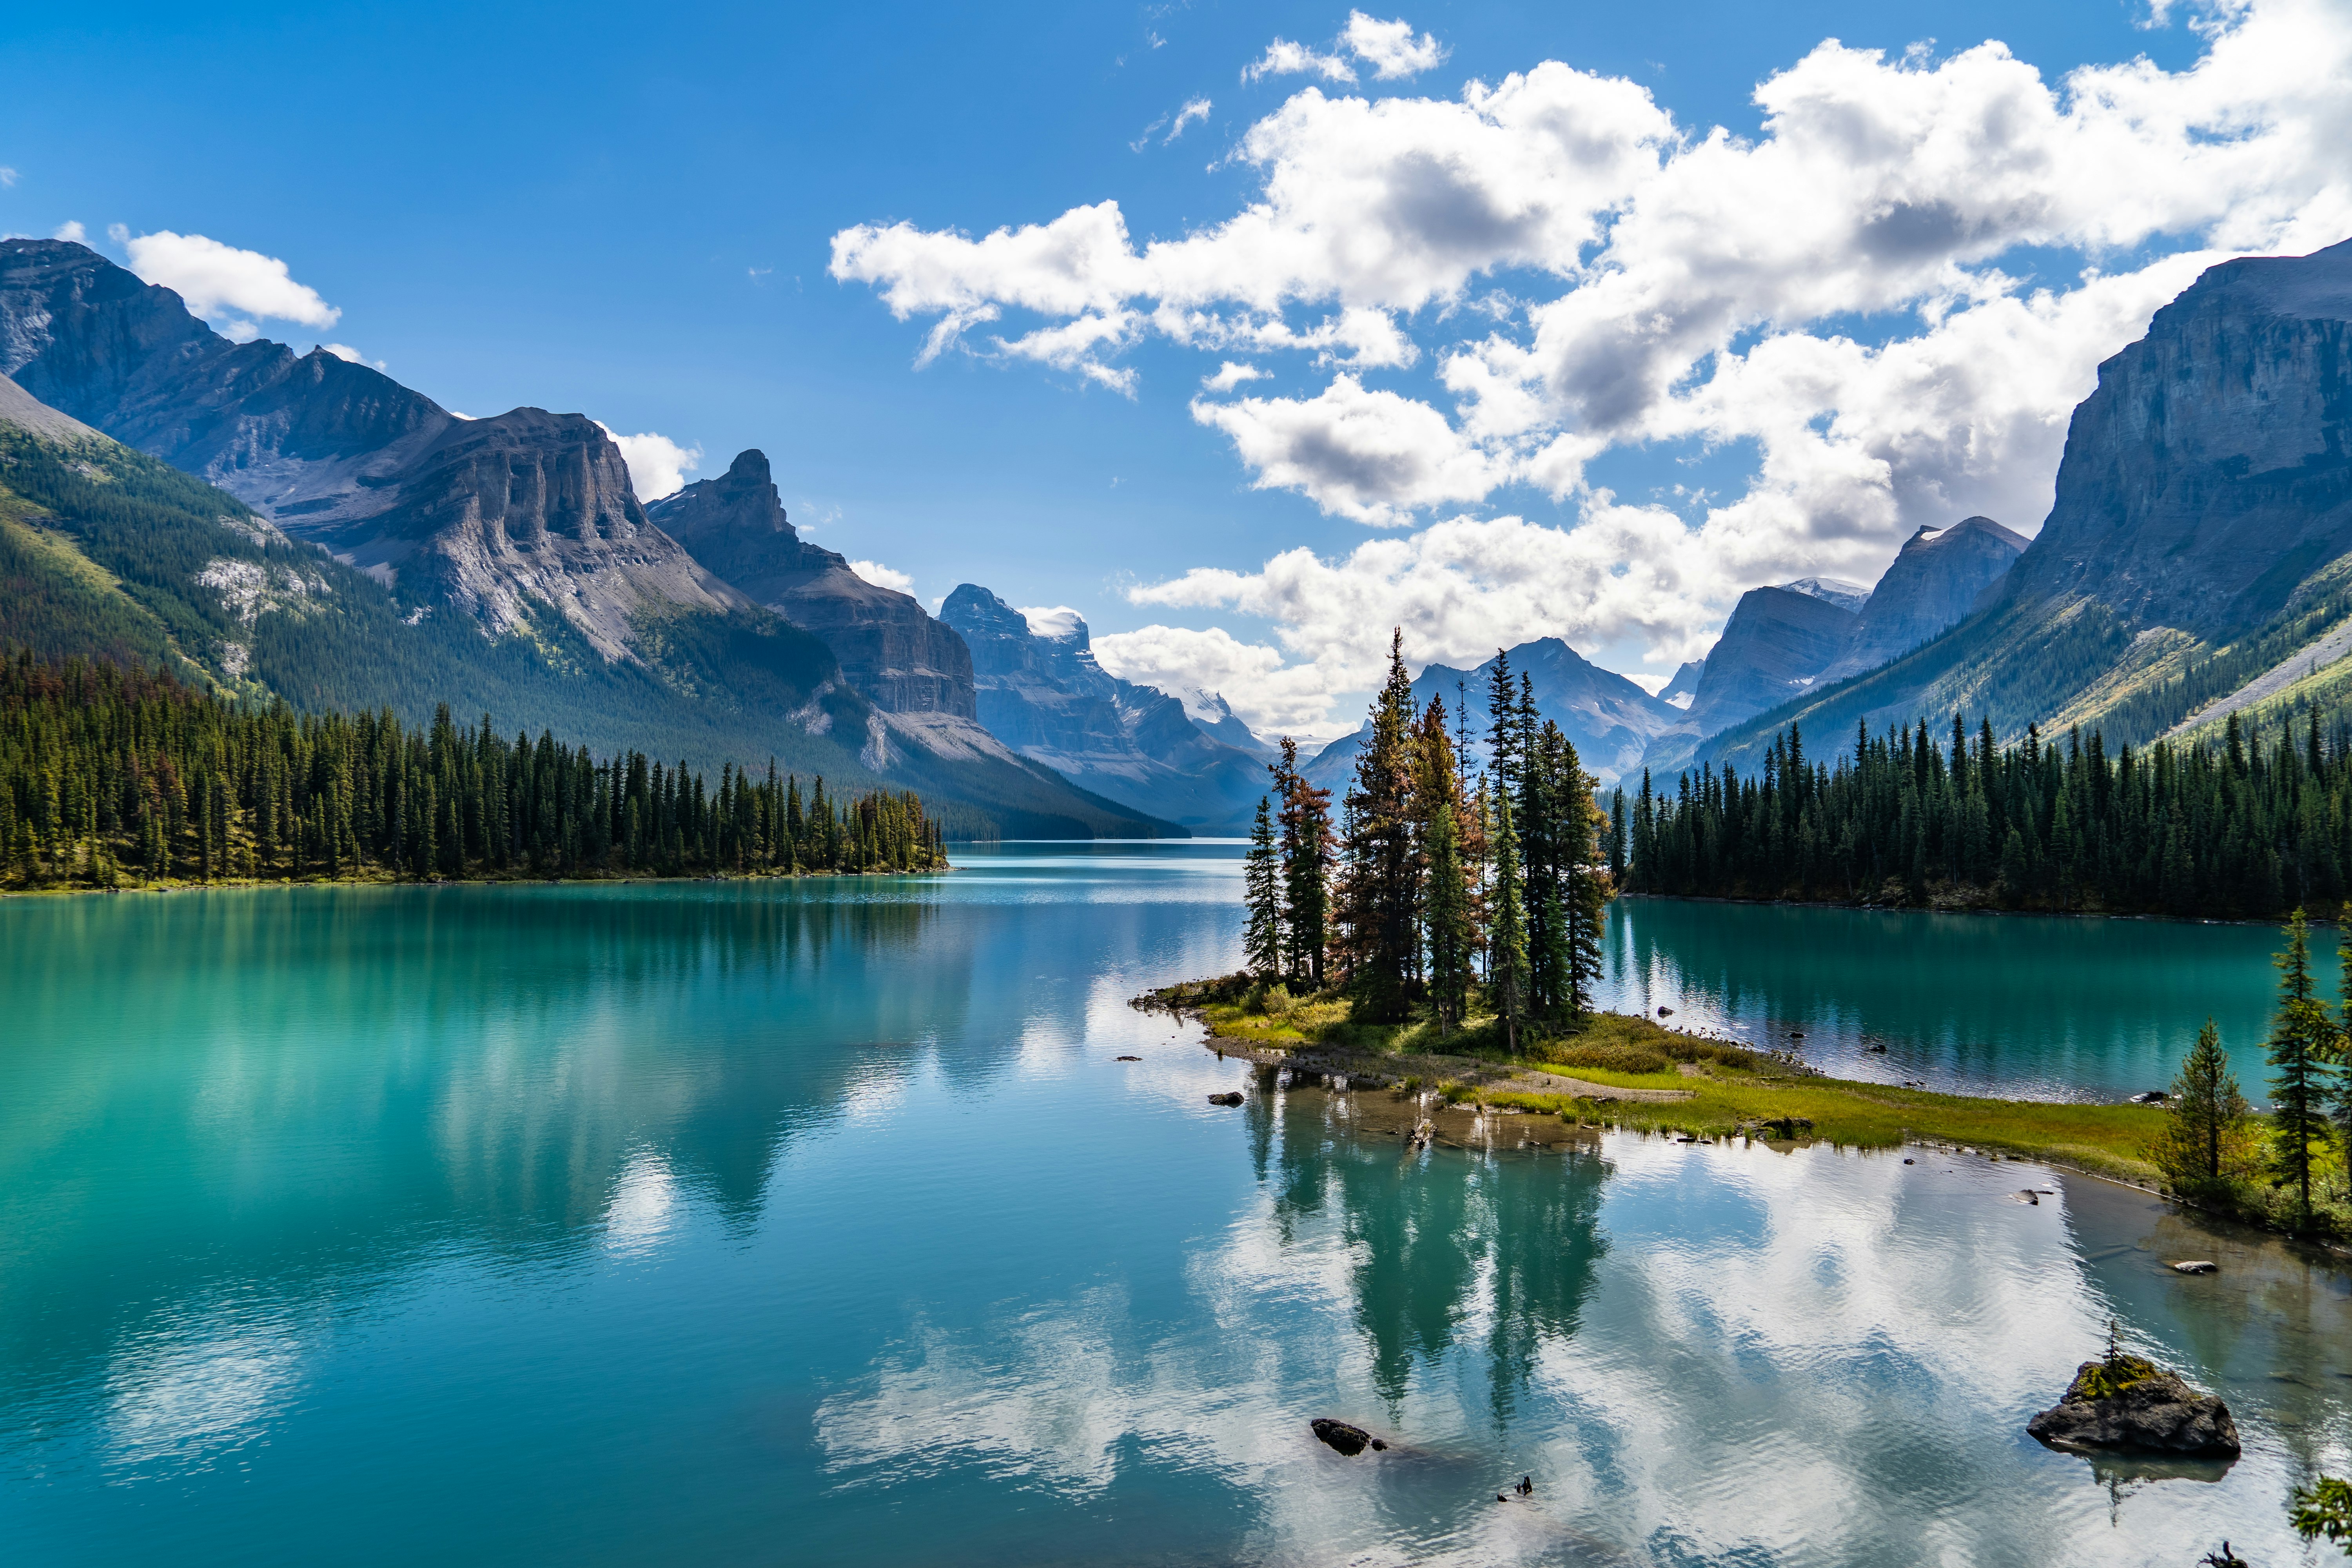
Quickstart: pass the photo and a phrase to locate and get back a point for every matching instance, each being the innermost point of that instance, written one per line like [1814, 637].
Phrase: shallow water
[819, 1223]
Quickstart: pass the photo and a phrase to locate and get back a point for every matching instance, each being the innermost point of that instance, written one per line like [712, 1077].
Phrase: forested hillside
[2251, 827]
[111, 774]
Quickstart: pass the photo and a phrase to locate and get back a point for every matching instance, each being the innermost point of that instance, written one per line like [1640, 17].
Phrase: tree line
[2252, 827]
[1432, 889]
[110, 773]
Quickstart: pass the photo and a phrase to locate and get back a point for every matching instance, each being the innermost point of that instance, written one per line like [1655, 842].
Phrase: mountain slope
[1046, 697]
[2197, 539]
[1933, 582]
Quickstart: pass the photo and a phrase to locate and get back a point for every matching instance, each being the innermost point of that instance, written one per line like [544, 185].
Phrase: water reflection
[2016, 1005]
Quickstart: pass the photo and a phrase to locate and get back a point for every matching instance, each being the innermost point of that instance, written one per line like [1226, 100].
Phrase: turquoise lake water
[818, 1223]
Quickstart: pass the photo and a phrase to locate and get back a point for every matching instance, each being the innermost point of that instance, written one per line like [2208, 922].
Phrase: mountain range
[352, 543]
[2194, 560]
[305, 527]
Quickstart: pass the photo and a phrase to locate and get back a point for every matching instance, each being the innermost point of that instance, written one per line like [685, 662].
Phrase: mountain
[1216, 717]
[522, 532]
[2194, 554]
[1610, 719]
[1045, 696]
[888, 646]
[1680, 691]
[1935, 580]
[1835, 590]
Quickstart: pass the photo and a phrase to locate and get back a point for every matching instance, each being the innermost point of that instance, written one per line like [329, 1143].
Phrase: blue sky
[629, 212]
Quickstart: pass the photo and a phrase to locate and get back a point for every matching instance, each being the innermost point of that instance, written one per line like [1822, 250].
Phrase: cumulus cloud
[657, 465]
[1271, 697]
[217, 280]
[1893, 295]
[1229, 375]
[1390, 47]
[71, 229]
[882, 577]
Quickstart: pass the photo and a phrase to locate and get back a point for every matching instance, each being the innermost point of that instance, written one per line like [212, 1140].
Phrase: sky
[1246, 333]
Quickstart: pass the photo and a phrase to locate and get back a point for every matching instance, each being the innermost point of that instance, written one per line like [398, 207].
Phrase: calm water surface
[730, 1223]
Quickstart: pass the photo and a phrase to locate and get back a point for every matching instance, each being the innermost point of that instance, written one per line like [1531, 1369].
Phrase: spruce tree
[2207, 1117]
[1261, 889]
[1380, 882]
[1507, 955]
[1449, 938]
[1306, 847]
[2302, 1040]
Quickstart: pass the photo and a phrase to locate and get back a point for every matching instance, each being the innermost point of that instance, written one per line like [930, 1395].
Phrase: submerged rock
[2124, 1403]
[1343, 1438]
[2196, 1266]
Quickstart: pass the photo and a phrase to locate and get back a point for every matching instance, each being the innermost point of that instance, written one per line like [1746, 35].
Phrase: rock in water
[1233, 1098]
[1343, 1438]
[2124, 1403]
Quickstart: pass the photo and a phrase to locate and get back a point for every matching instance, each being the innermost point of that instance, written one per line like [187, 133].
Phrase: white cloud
[1056, 621]
[8, 175]
[217, 278]
[657, 465]
[1997, 233]
[1390, 47]
[71, 229]
[881, 576]
[1272, 697]
[345, 351]
[1283, 58]
[1229, 376]
[1194, 108]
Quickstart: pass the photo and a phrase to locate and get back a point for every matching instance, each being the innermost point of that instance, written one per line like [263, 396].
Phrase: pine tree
[2302, 1040]
[1380, 882]
[1261, 889]
[2206, 1122]
[1449, 938]
[1306, 847]
[1506, 960]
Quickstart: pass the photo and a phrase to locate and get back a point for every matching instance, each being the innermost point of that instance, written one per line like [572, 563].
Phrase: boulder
[1343, 1438]
[2196, 1266]
[2126, 1403]
[1233, 1098]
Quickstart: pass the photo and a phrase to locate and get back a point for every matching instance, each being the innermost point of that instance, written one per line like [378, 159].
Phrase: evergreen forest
[2248, 829]
[112, 774]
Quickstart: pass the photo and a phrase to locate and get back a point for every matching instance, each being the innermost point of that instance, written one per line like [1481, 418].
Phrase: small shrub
[1453, 1093]
[1275, 1000]
[1410, 1084]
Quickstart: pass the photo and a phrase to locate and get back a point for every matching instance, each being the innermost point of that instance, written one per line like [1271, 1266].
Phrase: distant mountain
[1610, 719]
[1215, 716]
[1835, 590]
[1046, 697]
[2196, 548]
[1935, 580]
[522, 531]
[889, 647]
[1679, 691]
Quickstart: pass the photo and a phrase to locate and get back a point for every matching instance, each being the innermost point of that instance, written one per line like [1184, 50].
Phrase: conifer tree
[1379, 886]
[1506, 960]
[1449, 937]
[1261, 889]
[2302, 1040]
[1305, 849]
[2205, 1125]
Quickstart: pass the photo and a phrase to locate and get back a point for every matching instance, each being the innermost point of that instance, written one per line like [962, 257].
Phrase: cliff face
[888, 646]
[485, 516]
[1933, 582]
[1776, 644]
[2209, 473]
[1046, 697]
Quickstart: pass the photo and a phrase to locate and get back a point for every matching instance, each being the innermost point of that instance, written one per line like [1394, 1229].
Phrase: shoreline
[225, 884]
[1935, 909]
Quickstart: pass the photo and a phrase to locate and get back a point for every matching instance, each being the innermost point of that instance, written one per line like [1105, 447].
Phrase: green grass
[1729, 1088]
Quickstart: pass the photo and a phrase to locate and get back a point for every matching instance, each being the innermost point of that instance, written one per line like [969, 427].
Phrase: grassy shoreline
[1692, 1084]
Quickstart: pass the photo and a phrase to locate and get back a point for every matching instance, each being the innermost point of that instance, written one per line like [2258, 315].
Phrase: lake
[820, 1223]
